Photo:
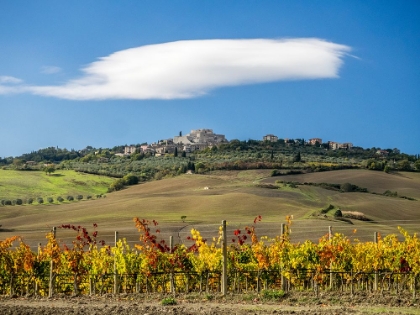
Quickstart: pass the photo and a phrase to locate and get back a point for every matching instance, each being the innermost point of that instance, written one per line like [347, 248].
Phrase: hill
[236, 196]
[32, 184]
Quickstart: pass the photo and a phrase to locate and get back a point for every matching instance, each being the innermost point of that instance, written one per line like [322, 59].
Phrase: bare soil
[293, 303]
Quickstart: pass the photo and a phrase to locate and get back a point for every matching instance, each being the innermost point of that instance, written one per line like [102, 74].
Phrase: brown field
[232, 196]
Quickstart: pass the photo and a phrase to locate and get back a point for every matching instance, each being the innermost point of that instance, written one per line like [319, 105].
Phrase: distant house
[163, 149]
[166, 142]
[313, 141]
[382, 152]
[129, 150]
[346, 145]
[335, 145]
[270, 138]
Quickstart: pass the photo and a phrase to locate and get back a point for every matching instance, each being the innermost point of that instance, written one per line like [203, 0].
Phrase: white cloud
[191, 68]
[50, 69]
[8, 79]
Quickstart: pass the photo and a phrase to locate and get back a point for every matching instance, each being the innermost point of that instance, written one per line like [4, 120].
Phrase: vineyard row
[249, 262]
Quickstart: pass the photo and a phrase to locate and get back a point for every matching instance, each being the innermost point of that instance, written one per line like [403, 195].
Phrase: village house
[382, 152]
[270, 138]
[128, 150]
[335, 145]
[313, 141]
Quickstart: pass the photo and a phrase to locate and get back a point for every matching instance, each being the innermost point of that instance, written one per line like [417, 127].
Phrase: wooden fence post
[172, 285]
[224, 255]
[51, 280]
[282, 277]
[375, 285]
[36, 282]
[115, 265]
[331, 273]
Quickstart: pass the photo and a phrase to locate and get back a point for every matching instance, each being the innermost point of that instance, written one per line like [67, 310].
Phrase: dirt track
[293, 303]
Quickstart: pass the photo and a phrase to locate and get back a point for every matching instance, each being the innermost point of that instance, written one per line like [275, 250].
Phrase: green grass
[32, 184]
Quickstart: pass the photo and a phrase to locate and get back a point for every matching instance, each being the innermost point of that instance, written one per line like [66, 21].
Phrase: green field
[233, 196]
[33, 184]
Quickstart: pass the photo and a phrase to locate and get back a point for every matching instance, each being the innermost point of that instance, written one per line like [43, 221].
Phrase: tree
[130, 179]
[183, 218]
[49, 169]
[417, 165]
[297, 157]
[17, 163]
[404, 165]
[176, 152]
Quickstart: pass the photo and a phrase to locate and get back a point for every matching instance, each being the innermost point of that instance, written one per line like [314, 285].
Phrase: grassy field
[32, 184]
[234, 196]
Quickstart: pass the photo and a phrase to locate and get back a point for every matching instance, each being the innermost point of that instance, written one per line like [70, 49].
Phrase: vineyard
[248, 263]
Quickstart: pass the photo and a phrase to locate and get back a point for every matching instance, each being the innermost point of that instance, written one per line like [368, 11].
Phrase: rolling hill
[236, 196]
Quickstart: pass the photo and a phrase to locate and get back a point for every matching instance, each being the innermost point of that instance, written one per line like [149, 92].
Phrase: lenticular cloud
[191, 68]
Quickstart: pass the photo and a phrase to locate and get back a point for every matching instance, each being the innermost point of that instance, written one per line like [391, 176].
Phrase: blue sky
[106, 73]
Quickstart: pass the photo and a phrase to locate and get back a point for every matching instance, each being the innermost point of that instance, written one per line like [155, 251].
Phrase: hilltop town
[200, 139]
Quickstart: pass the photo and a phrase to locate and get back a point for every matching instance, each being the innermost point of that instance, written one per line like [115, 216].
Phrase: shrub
[408, 198]
[130, 179]
[391, 193]
[275, 173]
[168, 301]
[269, 186]
[117, 185]
[50, 200]
[30, 201]
[272, 294]
[40, 200]
[79, 197]
[88, 197]
[346, 187]
[60, 199]
[209, 297]
[338, 213]
[7, 203]
[70, 198]
[2, 202]
[98, 196]
[330, 207]
[13, 202]
[19, 202]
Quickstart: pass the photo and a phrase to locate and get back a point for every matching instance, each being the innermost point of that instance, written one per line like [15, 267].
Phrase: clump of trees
[127, 180]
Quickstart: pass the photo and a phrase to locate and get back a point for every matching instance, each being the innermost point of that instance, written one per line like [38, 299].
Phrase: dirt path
[294, 303]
